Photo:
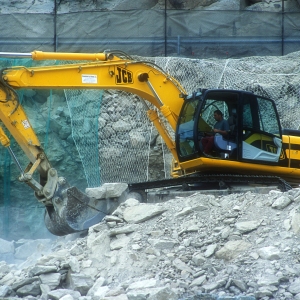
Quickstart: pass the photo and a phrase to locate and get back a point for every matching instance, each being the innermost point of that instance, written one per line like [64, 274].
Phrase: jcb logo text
[123, 76]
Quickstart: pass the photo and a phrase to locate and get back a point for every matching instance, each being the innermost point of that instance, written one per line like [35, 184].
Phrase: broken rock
[142, 212]
[232, 249]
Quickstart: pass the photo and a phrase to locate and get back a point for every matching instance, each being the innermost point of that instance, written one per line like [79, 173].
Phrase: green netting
[5, 166]
[7, 199]
[17, 202]
[84, 108]
[48, 121]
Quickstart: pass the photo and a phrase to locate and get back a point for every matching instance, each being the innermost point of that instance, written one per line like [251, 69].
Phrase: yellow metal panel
[218, 165]
[294, 151]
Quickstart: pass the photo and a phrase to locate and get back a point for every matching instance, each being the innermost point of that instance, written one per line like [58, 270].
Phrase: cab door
[261, 132]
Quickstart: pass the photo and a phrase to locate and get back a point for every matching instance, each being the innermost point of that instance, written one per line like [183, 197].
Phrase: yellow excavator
[255, 148]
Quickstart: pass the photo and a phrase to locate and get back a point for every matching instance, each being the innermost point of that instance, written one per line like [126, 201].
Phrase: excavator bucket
[76, 212]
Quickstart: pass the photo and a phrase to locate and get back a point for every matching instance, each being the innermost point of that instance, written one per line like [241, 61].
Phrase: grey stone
[294, 287]
[118, 297]
[45, 289]
[107, 190]
[76, 250]
[163, 243]
[281, 202]
[240, 284]
[214, 285]
[159, 293]
[124, 229]
[270, 253]
[248, 226]
[119, 243]
[23, 282]
[198, 281]
[263, 292]
[297, 297]
[51, 279]
[231, 249]
[131, 202]
[57, 256]
[80, 283]
[295, 222]
[150, 283]
[110, 218]
[67, 297]
[198, 259]
[4, 268]
[142, 213]
[8, 279]
[98, 284]
[32, 289]
[59, 293]
[199, 207]
[179, 264]
[268, 279]
[210, 250]
[185, 211]
[100, 292]
[37, 270]
[74, 264]
[4, 291]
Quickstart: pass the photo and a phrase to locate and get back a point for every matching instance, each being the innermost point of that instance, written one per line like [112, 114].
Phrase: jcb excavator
[255, 149]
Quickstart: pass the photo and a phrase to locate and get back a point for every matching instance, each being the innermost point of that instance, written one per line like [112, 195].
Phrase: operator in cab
[221, 127]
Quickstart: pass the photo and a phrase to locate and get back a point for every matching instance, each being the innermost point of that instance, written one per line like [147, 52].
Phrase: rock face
[238, 246]
[66, 6]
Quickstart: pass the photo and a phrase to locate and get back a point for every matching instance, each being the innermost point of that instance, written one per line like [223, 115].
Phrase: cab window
[185, 133]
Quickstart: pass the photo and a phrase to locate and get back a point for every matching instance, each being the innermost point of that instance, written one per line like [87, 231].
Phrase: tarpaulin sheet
[133, 31]
[232, 33]
[189, 33]
[291, 34]
[26, 32]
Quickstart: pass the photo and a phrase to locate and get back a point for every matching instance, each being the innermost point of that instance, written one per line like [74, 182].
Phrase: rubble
[241, 246]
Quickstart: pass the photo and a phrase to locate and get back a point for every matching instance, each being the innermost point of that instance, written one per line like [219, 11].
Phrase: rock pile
[239, 246]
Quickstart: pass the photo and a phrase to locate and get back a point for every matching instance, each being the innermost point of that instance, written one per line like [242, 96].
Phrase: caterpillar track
[231, 183]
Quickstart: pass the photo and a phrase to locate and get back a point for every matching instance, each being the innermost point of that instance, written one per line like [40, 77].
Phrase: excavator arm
[68, 209]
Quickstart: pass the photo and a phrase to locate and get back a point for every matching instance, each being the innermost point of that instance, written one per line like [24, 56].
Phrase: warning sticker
[89, 78]
[26, 124]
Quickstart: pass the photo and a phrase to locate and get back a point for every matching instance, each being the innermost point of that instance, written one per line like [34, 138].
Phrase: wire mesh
[112, 135]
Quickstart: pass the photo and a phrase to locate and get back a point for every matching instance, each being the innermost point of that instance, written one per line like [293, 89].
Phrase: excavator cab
[254, 133]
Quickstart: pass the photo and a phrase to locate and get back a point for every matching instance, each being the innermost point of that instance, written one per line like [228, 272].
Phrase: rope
[222, 74]
[148, 155]
[6, 182]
